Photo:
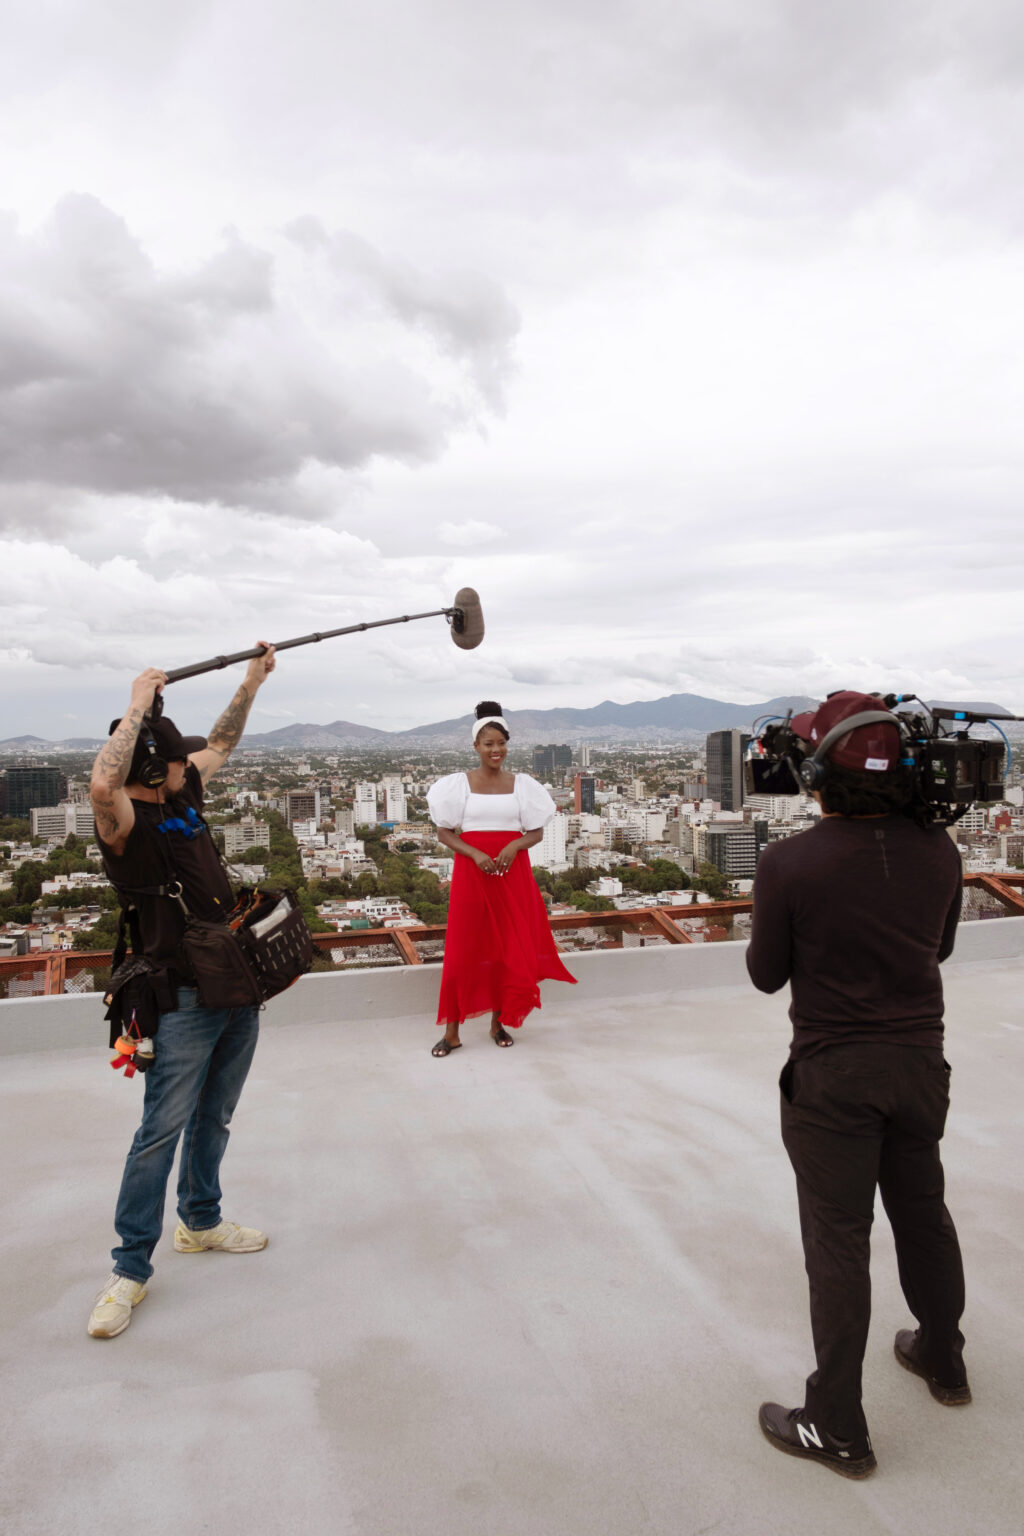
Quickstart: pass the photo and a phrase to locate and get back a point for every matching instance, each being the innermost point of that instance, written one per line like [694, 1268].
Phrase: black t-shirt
[192, 858]
[856, 915]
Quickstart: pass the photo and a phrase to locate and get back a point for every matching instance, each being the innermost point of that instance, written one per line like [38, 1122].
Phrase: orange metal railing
[50, 972]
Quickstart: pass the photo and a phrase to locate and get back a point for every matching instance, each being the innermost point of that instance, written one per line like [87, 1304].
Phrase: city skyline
[687, 336]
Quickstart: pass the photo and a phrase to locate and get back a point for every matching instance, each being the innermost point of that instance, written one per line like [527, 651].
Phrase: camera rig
[945, 770]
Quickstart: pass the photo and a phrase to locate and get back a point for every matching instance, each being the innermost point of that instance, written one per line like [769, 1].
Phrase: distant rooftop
[536, 1292]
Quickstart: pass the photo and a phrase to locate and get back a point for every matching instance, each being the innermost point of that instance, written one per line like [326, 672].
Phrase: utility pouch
[139, 990]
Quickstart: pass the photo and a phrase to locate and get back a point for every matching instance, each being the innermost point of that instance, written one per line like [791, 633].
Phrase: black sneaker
[905, 1350]
[790, 1430]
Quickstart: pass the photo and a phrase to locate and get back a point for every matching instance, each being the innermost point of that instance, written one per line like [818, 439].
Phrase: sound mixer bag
[275, 938]
[265, 946]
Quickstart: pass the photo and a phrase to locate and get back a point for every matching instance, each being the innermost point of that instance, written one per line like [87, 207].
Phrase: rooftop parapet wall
[400, 991]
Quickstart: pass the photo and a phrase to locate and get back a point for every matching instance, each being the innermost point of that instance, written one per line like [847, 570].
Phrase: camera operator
[856, 915]
[147, 795]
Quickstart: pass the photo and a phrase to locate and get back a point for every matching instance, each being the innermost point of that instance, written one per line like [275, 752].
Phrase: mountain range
[673, 718]
[678, 717]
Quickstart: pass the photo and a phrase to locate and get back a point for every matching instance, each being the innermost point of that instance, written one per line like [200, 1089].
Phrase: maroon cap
[873, 748]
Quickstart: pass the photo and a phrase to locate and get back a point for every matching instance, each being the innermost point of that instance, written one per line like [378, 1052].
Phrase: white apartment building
[247, 833]
[345, 844]
[365, 809]
[305, 832]
[654, 826]
[60, 820]
[549, 853]
[395, 807]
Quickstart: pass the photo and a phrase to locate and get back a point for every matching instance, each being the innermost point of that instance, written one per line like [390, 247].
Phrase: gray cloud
[758, 433]
[215, 384]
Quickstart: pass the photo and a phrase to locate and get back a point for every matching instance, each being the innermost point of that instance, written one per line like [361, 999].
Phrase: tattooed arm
[227, 733]
[112, 808]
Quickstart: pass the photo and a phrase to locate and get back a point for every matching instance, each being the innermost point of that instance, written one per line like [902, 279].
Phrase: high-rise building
[302, 805]
[395, 808]
[365, 808]
[731, 847]
[549, 853]
[583, 795]
[22, 789]
[548, 760]
[725, 751]
[584, 755]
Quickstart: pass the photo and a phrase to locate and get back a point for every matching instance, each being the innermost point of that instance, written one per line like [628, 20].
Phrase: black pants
[855, 1117]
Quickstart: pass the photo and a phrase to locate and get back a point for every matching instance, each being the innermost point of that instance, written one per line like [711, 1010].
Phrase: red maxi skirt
[498, 944]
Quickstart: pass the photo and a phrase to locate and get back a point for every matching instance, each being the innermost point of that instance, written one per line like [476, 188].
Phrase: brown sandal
[445, 1047]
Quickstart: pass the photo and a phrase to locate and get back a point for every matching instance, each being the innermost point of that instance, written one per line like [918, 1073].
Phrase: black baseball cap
[170, 744]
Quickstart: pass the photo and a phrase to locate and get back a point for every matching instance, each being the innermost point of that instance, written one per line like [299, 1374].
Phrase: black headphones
[813, 771]
[153, 770]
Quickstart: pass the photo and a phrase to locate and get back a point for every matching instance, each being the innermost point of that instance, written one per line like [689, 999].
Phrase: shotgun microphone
[467, 620]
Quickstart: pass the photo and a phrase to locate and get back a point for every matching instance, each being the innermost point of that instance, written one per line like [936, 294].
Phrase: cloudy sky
[689, 334]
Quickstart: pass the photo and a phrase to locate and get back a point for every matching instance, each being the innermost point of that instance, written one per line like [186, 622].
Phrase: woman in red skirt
[498, 945]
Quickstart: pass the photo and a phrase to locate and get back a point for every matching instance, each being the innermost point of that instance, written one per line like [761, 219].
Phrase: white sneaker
[226, 1237]
[113, 1310]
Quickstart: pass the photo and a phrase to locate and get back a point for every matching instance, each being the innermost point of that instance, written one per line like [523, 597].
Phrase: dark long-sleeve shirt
[856, 915]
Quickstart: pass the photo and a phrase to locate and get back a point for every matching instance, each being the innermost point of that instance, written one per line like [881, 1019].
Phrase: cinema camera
[946, 770]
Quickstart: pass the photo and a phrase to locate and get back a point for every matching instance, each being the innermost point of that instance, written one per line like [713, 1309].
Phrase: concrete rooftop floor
[515, 1292]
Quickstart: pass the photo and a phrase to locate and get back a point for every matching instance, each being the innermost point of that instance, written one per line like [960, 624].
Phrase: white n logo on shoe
[809, 1436]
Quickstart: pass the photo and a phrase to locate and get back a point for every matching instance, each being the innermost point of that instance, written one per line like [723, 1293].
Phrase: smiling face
[491, 747]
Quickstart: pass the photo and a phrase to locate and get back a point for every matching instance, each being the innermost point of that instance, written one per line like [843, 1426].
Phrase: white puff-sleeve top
[453, 804]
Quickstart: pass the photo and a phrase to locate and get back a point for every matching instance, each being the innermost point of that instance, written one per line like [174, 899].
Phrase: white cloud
[469, 535]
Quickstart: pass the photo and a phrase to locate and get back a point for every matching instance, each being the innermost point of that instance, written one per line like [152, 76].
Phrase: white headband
[490, 720]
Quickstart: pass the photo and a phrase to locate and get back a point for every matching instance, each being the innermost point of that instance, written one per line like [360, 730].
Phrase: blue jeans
[203, 1057]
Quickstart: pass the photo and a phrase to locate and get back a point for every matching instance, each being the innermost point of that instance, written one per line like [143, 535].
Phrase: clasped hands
[499, 866]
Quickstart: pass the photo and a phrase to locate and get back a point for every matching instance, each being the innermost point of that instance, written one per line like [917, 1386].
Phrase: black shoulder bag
[261, 948]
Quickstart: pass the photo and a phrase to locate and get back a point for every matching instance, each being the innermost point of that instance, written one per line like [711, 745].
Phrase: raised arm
[227, 733]
[113, 810]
